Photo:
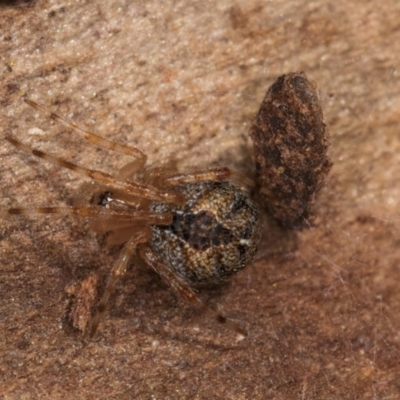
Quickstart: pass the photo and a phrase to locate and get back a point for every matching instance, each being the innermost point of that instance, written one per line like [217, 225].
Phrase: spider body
[213, 235]
[191, 228]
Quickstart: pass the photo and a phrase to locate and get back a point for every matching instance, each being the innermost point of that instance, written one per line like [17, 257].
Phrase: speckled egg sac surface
[290, 149]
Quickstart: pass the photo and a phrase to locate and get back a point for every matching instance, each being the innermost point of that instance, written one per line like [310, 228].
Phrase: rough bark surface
[184, 80]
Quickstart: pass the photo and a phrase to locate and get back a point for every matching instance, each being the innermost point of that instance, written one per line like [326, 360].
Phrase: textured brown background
[185, 78]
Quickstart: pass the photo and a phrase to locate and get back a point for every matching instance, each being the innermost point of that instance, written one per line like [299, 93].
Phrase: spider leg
[96, 139]
[121, 235]
[127, 186]
[156, 176]
[208, 174]
[129, 170]
[130, 217]
[104, 225]
[183, 290]
[118, 269]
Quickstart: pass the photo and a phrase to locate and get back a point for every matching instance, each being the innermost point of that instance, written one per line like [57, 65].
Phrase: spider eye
[104, 199]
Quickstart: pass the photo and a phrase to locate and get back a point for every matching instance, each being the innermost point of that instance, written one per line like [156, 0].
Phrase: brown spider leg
[127, 186]
[208, 174]
[103, 225]
[118, 269]
[96, 139]
[129, 170]
[182, 289]
[131, 216]
[156, 176]
[120, 236]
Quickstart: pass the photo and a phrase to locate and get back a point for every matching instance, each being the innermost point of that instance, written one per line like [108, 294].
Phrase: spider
[192, 228]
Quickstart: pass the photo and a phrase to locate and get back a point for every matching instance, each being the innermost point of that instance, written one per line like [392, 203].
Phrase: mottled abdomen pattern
[290, 147]
[213, 236]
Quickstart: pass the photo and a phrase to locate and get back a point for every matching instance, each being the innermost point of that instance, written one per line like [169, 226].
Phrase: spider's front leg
[118, 269]
[127, 186]
[209, 174]
[183, 290]
[140, 157]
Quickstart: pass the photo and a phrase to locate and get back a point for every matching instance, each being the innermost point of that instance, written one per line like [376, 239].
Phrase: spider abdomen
[214, 234]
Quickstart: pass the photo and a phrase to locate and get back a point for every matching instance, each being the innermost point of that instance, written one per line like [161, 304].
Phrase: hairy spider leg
[98, 140]
[182, 289]
[208, 174]
[156, 176]
[121, 235]
[129, 218]
[118, 269]
[127, 186]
